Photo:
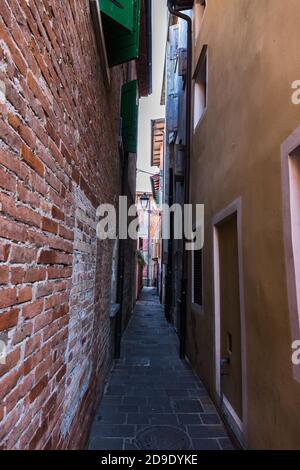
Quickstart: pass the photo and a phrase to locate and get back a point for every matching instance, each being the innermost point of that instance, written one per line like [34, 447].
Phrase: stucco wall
[253, 58]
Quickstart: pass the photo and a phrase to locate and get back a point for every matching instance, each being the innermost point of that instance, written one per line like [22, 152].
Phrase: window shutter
[129, 115]
[120, 11]
[122, 44]
[197, 287]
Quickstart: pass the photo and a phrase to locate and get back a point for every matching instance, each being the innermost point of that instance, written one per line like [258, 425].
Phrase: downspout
[121, 262]
[183, 310]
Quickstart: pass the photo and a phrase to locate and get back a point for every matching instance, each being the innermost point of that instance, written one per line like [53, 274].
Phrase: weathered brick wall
[58, 161]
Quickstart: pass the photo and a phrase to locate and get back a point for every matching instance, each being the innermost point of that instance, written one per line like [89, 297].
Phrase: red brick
[10, 137]
[19, 392]
[28, 216]
[24, 132]
[4, 274]
[10, 161]
[49, 225]
[8, 382]
[60, 244]
[7, 181]
[22, 332]
[38, 435]
[22, 254]
[53, 181]
[42, 320]
[7, 205]
[57, 213]
[9, 319]
[66, 233]
[37, 390]
[54, 136]
[35, 275]
[17, 275]
[33, 309]
[16, 99]
[24, 295]
[50, 404]
[34, 87]
[17, 58]
[60, 312]
[12, 359]
[54, 300]
[58, 272]
[12, 230]
[54, 257]
[8, 297]
[61, 373]
[32, 344]
[4, 251]
[32, 161]
[33, 199]
[44, 290]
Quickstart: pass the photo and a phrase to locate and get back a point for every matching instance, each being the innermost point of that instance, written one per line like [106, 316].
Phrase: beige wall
[253, 58]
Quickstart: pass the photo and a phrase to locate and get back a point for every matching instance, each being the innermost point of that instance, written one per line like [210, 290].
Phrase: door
[230, 316]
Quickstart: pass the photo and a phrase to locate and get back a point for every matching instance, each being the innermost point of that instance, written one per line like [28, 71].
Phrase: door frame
[239, 426]
[290, 145]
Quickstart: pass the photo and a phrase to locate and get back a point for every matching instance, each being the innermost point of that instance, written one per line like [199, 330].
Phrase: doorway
[230, 350]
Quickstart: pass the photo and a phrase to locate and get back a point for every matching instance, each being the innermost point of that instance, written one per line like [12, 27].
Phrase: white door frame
[291, 242]
[238, 426]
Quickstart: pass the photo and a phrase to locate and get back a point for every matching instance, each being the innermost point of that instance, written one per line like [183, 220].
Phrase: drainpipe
[121, 268]
[183, 310]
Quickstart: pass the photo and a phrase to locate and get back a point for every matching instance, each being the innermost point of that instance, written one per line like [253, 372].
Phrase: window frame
[203, 60]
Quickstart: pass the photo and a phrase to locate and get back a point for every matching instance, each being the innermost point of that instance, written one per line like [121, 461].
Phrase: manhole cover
[162, 438]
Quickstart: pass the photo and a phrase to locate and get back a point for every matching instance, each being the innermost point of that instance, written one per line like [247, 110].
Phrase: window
[121, 25]
[117, 28]
[200, 87]
[197, 277]
[129, 115]
[199, 10]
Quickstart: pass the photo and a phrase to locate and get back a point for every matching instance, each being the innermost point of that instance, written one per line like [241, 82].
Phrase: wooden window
[122, 32]
[129, 115]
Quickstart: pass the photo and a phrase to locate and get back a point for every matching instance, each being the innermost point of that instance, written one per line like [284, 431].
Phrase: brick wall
[58, 161]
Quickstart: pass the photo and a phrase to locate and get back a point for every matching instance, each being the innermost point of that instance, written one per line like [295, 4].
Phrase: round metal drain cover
[162, 438]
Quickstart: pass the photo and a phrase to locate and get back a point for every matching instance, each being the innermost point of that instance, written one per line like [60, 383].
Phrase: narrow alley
[153, 400]
[149, 226]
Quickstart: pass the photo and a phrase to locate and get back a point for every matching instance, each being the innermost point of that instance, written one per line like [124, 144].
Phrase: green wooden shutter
[129, 115]
[123, 45]
[120, 11]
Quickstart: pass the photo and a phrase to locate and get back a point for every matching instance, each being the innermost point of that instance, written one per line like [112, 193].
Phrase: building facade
[243, 286]
[69, 102]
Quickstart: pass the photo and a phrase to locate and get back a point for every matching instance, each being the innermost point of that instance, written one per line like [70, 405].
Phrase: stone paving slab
[151, 387]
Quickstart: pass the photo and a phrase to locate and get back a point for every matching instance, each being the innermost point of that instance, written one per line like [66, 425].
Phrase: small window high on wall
[200, 87]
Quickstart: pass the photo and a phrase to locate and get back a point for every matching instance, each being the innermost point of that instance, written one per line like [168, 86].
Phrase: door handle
[225, 361]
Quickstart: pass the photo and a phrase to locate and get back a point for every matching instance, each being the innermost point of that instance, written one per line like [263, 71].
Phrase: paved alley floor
[153, 400]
